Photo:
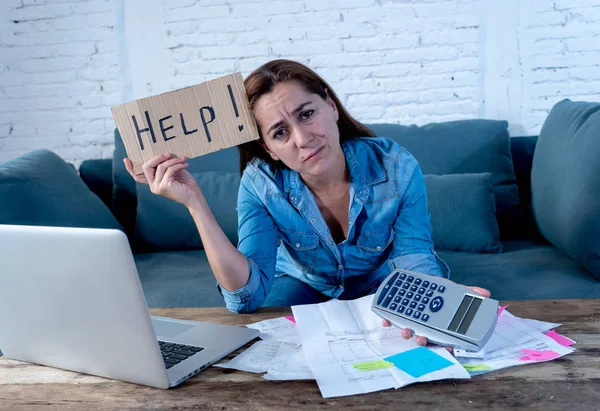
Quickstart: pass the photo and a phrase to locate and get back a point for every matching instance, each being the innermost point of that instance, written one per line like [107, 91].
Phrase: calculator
[444, 312]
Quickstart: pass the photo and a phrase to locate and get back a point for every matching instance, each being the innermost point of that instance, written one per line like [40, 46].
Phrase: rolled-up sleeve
[413, 247]
[257, 235]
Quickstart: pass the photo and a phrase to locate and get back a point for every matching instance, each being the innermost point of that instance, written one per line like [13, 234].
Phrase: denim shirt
[281, 229]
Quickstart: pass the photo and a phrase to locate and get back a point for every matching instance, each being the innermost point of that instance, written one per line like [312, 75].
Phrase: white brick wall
[64, 63]
[59, 76]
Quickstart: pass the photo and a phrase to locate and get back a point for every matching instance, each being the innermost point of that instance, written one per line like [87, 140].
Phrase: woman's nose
[303, 137]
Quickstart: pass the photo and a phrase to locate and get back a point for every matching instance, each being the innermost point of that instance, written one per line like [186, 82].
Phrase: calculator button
[421, 307]
[401, 309]
[417, 297]
[405, 285]
[409, 312]
[386, 288]
[393, 306]
[413, 288]
[416, 314]
[405, 302]
[417, 281]
[402, 276]
[425, 300]
[397, 299]
[398, 283]
[429, 293]
[401, 293]
[441, 289]
[409, 295]
[425, 318]
[433, 286]
[389, 297]
[410, 278]
[425, 284]
[421, 290]
[413, 304]
[436, 304]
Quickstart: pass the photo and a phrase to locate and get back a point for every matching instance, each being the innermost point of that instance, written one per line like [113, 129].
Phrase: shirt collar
[364, 166]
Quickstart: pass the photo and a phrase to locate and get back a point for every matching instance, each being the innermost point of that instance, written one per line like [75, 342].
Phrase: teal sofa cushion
[565, 181]
[40, 188]
[463, 212]
[165, 225]
[464, 146]
[124, 199]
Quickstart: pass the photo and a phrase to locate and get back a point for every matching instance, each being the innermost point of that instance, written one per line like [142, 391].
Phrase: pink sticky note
[291, 318]
[534, 355]
[561, 339]
[501, 309]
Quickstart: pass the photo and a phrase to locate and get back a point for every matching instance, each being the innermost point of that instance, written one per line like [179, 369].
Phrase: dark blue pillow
[464, 146]
[40, 188]
[565, 181]
[463, 213]
[165, 225]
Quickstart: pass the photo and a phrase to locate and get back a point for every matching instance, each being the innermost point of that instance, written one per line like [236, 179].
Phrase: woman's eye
[307, 114]
[279, 133]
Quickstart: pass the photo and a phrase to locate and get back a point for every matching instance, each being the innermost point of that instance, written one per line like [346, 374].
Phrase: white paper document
[514, 342]
[260, 356]
[291, 366]
[339, 337]
[278, 329]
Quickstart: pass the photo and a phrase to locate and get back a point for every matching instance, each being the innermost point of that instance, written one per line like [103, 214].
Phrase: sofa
[517, 215]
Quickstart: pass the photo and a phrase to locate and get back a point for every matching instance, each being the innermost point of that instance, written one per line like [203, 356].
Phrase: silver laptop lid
[71, 298]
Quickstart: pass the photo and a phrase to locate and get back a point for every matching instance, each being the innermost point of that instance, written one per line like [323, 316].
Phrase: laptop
[71, 298]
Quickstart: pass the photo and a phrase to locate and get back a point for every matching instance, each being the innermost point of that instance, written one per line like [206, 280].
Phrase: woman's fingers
[162, 168]
[171, 171]
[140, 178]
[481, 291]
[149, 166]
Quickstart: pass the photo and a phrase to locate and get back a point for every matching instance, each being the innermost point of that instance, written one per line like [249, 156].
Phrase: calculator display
[465, 314]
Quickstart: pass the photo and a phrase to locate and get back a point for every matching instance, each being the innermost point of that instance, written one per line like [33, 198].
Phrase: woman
[323, 206]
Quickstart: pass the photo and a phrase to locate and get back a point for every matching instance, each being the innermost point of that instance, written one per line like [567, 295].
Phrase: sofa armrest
[97, 175]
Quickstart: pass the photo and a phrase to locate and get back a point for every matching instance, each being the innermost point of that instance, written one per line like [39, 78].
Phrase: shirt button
[293, 198]
[312, 220]
[378, 248]
[297, 245]
[340, 267]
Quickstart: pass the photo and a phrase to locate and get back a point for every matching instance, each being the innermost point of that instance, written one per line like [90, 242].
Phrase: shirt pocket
[302, 247]
[373, 248]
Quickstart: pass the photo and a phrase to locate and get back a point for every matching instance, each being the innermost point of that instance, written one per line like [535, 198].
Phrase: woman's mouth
[314, 153]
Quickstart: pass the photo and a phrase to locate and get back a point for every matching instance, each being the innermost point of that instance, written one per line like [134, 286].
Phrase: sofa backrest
[118, 190]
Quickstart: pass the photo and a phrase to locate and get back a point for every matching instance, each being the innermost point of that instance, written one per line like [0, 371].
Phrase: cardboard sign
[188, 122]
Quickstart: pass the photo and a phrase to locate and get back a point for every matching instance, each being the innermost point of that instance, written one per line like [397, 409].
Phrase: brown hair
[262, 80]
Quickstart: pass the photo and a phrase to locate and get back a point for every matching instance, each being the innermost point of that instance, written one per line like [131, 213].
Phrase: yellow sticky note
[476, 367]
[372, 365]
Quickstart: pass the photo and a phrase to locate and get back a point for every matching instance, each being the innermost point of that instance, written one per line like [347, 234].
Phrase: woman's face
[299, 128]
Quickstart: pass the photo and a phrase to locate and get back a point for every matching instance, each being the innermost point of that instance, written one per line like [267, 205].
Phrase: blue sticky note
[419, 361]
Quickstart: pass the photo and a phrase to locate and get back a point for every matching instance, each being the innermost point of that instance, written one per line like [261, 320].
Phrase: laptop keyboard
[175, 353]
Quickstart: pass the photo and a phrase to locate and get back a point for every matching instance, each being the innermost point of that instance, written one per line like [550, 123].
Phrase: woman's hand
[407, 333]
[167, 176]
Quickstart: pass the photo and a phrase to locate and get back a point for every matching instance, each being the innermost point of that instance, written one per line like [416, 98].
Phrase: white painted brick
[46, 11]
[224, 52]
[449, 37]
[196, 12]
[92, 7]
[320, 5]
[573, 4]
[221, 25]
[546, 19]
[380, 43]
[269, 9]
[435, 10]
[589, 73]
[306, 48]
[587, 43]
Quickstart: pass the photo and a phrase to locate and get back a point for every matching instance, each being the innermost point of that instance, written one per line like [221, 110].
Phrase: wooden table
[570, 382]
